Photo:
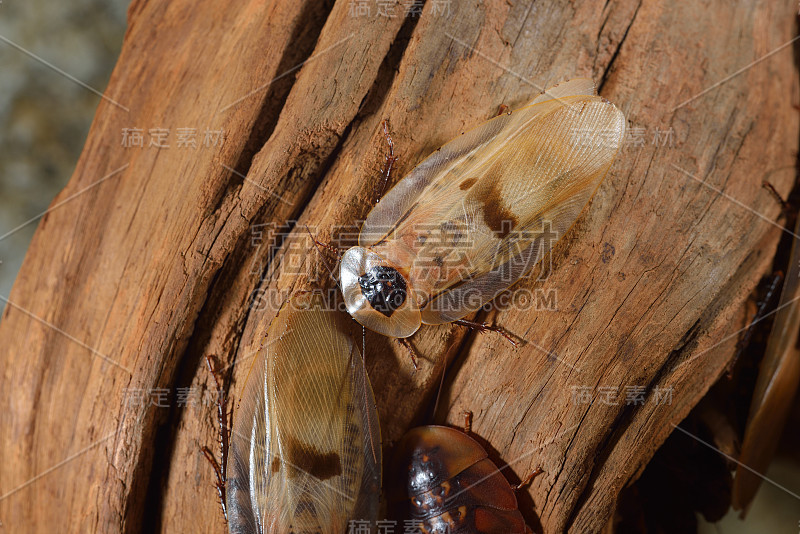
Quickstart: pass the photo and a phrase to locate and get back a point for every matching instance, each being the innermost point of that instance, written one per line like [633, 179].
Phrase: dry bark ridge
[127, 286]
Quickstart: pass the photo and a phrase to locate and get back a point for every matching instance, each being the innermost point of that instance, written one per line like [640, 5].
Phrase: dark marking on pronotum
[276, 464]
[306, 458]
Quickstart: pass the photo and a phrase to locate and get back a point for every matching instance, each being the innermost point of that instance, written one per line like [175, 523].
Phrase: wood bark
[152, 258]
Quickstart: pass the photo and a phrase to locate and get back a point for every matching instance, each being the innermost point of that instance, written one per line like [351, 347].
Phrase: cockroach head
[377, 295]
[384, 288]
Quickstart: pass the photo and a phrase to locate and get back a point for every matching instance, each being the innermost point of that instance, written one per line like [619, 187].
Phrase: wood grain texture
[131, 281]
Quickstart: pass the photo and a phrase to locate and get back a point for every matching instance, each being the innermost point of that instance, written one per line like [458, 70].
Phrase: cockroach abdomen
[451, 486]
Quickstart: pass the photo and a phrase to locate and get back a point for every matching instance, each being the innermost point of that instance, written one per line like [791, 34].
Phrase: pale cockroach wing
[305, 453]
[479, 213]
[416, 187]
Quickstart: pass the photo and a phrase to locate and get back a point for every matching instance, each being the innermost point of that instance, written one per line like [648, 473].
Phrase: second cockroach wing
[444, 480]
[305, 455]
[480, 212]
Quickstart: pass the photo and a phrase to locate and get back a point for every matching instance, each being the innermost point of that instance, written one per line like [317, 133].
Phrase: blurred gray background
[45, 116]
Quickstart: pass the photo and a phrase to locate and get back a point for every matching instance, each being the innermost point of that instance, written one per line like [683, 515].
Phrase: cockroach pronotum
[451, 485]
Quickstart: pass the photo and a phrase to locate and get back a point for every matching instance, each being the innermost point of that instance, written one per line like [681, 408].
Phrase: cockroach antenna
[388, 163]
[441, 386]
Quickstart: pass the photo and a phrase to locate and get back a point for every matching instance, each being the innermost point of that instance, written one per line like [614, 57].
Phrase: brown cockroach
[451, 485]
[480, 212]
[776, 386]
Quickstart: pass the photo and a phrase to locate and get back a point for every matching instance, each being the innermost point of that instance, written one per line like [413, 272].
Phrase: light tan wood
[160, 264]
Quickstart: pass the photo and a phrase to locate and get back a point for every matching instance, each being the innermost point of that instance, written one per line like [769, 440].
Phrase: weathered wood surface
[129, 284]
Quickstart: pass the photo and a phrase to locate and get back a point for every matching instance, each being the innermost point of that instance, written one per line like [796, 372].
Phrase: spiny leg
[485, 327]
[220, 482]
[318, 244]
[528, 479]
[467, 422]
[327, 246]
[411, 350]
[225, 420]
[388, 163]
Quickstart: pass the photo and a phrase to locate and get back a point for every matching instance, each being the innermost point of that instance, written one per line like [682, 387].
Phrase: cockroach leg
[224, 416]
[528, 479]
[467, 422]
[485, 327]
[318, 244]
[411, 350]
[329, 247]
[388, 163]
[774, 192]
[326, 246]
[220, 483]
[502, 109]
[225, 421]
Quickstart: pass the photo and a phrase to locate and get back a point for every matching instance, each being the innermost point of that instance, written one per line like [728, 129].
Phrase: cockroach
[451, 486]
[480, 212]
[776, 386]
[304, 454]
